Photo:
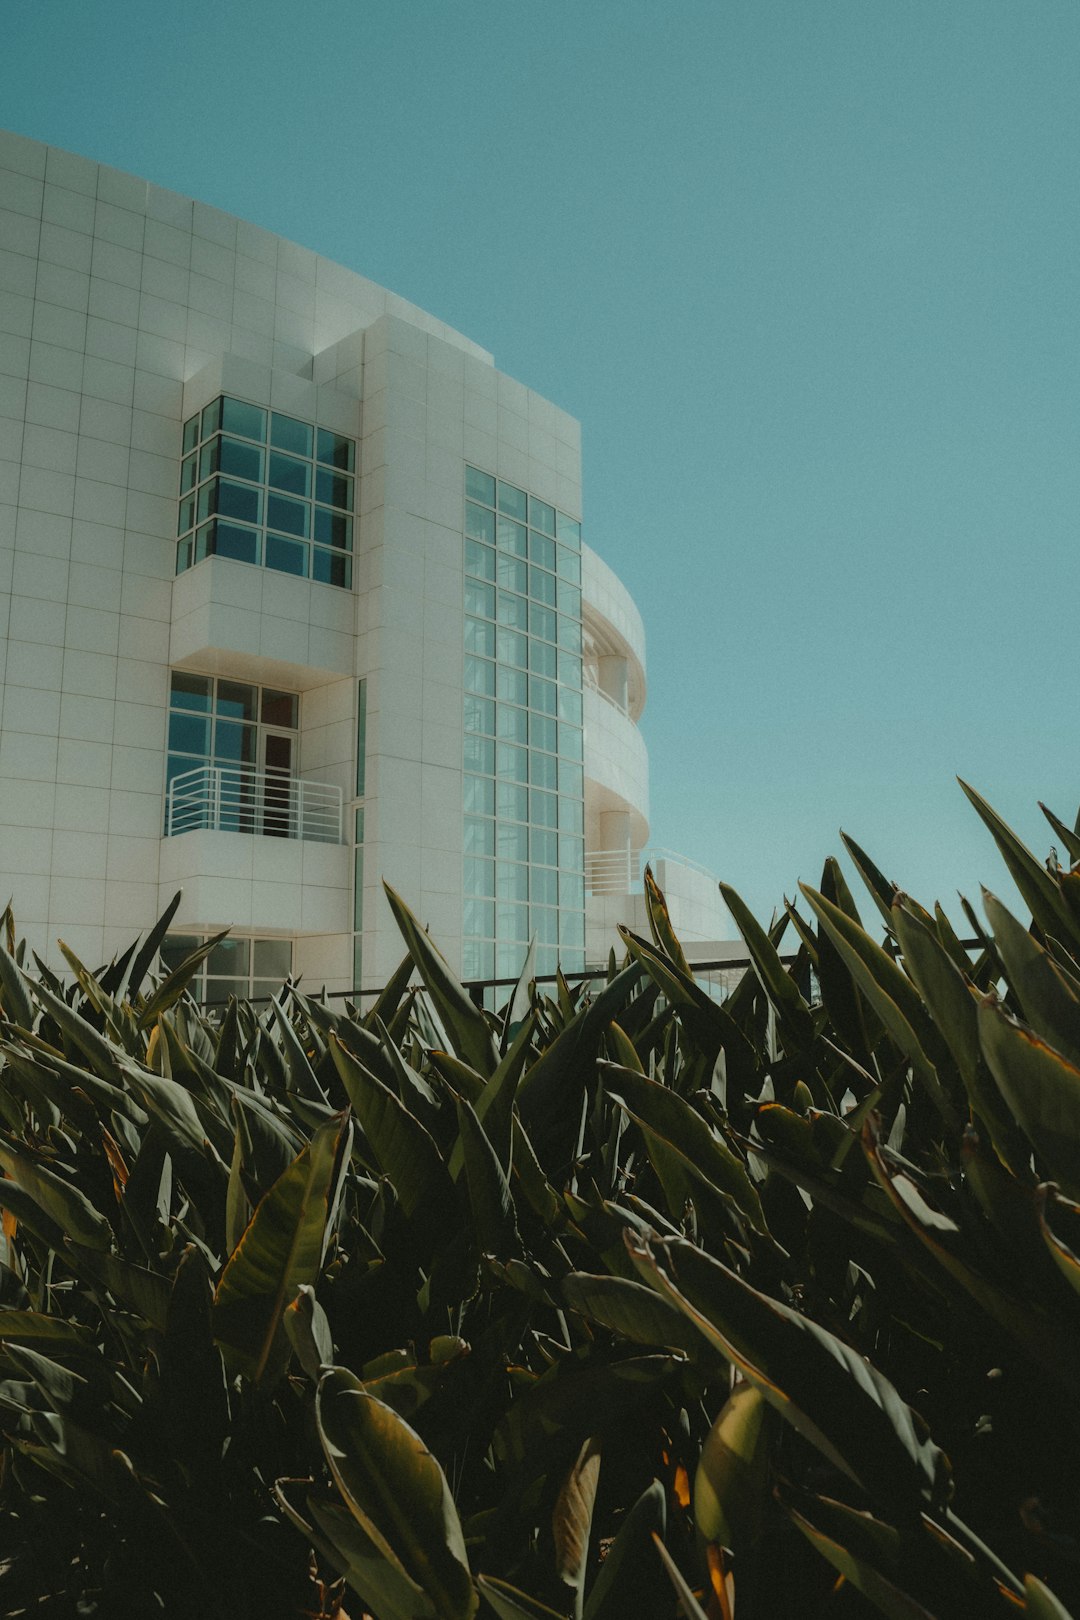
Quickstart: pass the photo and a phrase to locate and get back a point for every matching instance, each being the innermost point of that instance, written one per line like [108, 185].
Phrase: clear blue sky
[808, 272]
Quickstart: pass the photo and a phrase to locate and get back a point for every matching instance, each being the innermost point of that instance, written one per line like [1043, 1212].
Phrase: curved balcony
[614, 633]
[616, 763]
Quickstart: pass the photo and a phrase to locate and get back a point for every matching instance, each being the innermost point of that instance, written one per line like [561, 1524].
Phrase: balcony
[244, 799]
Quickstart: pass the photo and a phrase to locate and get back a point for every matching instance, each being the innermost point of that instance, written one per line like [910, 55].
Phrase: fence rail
[619, 871]
[242, 798]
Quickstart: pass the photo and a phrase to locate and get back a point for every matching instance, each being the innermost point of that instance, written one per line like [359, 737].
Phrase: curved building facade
[296, 599]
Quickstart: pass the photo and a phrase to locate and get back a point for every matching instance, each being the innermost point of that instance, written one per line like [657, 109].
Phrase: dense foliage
[621, 1303]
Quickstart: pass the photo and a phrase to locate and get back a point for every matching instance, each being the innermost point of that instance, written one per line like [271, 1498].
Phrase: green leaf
[396, 1491]
[403, 1148]
[378, 1582]
[1040, 1087]
[510, 1604]
[630, 1310]
[1048, 998]
[793, 1014]
[494, 1216]
[628, 1568]
[678, 1123]
[880, 890]
[842, 1404]
[1041, 1603]
[732, 1481]
[571, 1519]
[463, 1021]
[892, 996]
[281, 1250]
[886, 1597]
[691, 1608]
[309, 1332]
[42, 1332]
[61, 1200]
[660, 924]
[1040, 893]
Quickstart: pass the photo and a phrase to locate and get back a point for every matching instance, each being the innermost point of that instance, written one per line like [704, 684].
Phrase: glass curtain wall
[524, 784]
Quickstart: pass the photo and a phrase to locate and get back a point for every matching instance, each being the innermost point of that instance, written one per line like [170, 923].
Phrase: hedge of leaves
[620, 1303]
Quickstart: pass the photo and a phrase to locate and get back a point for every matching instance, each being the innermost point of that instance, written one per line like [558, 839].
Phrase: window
[524, 789]
[251, 969]
[232, 748]
[264, 488]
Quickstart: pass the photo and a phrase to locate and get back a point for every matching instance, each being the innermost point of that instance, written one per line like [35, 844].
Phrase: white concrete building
[295, 599]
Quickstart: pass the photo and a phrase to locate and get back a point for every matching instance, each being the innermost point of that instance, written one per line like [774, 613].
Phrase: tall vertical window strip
[264, 488]
[524, 782]
[361, 736]
[358, 901]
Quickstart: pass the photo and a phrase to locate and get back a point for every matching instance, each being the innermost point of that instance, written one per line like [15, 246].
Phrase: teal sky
[807, 271]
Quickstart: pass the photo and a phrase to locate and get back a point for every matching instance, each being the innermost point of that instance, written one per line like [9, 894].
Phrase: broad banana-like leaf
[281, 1250]
[172, 987]
[679, 1124]
[1062, 1253]
[1040, 1602]
[396, 1491]
[61, 1200]
[1040, 1087]
[883, 1593]
[628, 1569]
[510, 1604]
[42, 1332]
[893, 997]
[660, 923]
[631, 1311]
[842, 1404]
[309, 1332]
[691, 1608]
[878, 886]
[1048, 998]
[793, 1015]
[463, 1021]
[494, 1216]
[15, 999]
[403, 1148]
[380, 1584]
[1040, 893]
[731, 1485]
[571, 1520]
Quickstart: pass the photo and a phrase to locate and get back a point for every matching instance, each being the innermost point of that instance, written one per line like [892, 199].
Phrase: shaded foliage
[622, 1301]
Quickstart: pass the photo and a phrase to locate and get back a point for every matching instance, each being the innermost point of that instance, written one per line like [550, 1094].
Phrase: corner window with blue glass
[265, 488]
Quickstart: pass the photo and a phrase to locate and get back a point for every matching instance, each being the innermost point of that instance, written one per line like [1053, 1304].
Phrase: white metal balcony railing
[241, 798]
[591, 683]
[620, 871]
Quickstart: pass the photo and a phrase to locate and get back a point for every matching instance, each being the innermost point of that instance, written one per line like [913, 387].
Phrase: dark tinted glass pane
[186, 516]
[273, 958]
[479, 525]
[479, 714]
[187, 474]
[289, 474]
[335, 450]
[331, 567]
[230, 500]
[230, 540]
[541, 515]
[286, 556]
[239, 460]
[189, 734]
[512, 501]
[234, 744]
[204, 542]
[247, 420]
[183, 555]
[480, 486]
[333, 528]
[335, 488]
[211, 419]
[478, 754]
[286, 433]
[191, 434]
[175, 948]
[294, 517]
[237, 701]
[230, 959]
[279, 709]
[191, 691]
